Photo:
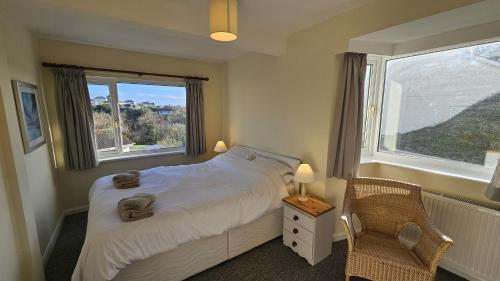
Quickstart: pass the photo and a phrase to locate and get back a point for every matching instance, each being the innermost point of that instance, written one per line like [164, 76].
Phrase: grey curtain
[75, 111]
[345, 141]
[195, 125]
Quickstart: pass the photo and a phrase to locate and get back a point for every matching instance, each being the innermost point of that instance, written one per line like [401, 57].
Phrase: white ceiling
[476, 14]
[174, 27]
[478, 22]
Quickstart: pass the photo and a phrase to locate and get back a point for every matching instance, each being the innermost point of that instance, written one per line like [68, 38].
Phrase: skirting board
[57, 230]
[52, 241]
[445, 263]
[75, 210]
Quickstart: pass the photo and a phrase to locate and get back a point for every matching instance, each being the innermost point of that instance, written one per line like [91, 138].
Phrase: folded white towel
[137, 207]
[128, 179]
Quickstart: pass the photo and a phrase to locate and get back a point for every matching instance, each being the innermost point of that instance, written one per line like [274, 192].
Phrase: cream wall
[23, 64]
[10, 261]
[74, 185]
[285, 104]
[27, 195]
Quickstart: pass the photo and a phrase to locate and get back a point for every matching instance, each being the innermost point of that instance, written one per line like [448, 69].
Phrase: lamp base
[303, 198]
[302, 193]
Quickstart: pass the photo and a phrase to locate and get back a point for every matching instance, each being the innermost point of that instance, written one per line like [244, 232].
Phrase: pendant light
[224, 20]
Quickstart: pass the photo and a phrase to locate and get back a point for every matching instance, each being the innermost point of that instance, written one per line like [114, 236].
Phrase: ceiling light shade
[224, 20]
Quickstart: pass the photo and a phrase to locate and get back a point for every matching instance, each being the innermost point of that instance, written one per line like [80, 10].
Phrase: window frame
[408, 160]
[118, 153]
[372, 108]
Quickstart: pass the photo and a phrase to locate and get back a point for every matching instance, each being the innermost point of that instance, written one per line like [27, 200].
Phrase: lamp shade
[220, 147]
[223, 20]
[304, 174]
[493, 189]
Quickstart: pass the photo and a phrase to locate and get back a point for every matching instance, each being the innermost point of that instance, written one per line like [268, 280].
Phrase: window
[369, 101]
[442, 106]
[365, 103]
[137, 117]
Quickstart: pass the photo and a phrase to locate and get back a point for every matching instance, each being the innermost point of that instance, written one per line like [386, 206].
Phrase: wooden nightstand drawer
[299, 218]
[298, 231]
[300, 247]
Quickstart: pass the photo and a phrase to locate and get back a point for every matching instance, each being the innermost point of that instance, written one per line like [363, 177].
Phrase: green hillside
[464, 137]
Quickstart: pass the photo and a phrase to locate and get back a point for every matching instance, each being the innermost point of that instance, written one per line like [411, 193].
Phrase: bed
[204, 214]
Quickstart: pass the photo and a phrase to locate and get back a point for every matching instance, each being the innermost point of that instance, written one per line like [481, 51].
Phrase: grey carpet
[270, 261]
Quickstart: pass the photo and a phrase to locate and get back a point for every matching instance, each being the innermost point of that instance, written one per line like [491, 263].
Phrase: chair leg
[347, 277]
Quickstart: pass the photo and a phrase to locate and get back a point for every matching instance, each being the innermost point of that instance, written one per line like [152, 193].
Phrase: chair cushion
[378, 256]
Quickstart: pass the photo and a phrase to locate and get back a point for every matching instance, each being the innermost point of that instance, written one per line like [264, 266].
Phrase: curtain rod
[139, 73]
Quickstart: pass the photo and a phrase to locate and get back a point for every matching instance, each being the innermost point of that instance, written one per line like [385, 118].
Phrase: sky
[160, 95]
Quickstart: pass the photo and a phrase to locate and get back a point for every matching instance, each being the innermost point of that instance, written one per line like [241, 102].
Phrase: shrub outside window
[134, 118]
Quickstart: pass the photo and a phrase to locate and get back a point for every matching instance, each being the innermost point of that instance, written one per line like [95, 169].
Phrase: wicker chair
[384, 208]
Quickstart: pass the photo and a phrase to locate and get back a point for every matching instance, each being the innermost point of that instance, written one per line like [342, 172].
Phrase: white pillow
[290, 188]
[282, 168]
[288, 178]
[243, 153]
[292, 162]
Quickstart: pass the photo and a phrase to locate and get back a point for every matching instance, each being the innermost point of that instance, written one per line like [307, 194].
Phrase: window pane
[444, 104]
[152, 116]
[103, 119]
[365, 103]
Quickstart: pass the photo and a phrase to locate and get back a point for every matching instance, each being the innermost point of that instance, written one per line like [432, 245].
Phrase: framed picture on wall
[28, 112]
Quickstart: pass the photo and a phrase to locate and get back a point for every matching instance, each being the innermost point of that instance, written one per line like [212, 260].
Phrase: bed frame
[196, 256]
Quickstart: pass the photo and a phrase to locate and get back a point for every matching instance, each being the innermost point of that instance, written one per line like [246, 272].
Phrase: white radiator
[475, 231]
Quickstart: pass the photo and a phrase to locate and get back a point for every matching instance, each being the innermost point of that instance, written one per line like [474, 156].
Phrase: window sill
[467, 172]
[137, 155]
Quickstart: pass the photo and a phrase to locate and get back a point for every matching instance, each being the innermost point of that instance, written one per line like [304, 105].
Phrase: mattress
[193, 202]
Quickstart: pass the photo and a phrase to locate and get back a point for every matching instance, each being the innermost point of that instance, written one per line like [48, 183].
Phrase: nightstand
[308, 227]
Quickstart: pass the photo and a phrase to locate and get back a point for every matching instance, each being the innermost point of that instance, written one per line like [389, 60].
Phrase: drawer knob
[295, 231]
[294, 244]
[295, 218]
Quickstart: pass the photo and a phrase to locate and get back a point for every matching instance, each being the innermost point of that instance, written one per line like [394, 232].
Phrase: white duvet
[192, 202]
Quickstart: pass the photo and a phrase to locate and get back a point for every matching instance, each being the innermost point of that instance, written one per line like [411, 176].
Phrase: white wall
[24, 65]
[478, 33]
[10, 260]
[285, 104]
[29, 209]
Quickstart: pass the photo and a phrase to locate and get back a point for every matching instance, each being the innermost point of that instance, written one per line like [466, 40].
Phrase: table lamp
[493, 189]
[303, 175]
[220, 147]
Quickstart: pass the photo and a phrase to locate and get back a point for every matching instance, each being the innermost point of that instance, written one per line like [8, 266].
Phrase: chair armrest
[432, 245]
[346, 219]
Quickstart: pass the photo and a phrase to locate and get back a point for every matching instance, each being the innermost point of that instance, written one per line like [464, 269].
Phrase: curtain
[347, 130]
[77, 121]
[195, 125]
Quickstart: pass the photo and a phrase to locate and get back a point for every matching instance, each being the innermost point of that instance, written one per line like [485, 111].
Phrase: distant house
[99, 100]
[127, 103]
[165, 110]
[146, 104]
